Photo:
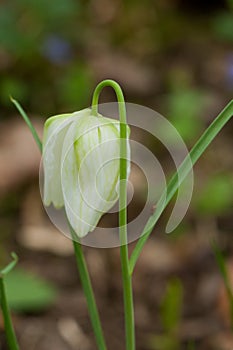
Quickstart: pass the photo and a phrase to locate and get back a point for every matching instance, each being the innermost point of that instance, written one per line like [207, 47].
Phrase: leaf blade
[201, 145]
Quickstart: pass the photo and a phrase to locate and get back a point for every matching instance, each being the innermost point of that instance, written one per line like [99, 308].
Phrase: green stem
[126, 276]
[88, 291]
[9, 329]
[80, 259]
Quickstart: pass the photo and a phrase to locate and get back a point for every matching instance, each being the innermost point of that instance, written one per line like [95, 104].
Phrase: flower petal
[55, 130]
[90, 171]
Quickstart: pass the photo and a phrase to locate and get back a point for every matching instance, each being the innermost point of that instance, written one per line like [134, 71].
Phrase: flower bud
[81, 159]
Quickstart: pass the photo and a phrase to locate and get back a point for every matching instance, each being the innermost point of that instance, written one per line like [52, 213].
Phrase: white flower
[81, 166]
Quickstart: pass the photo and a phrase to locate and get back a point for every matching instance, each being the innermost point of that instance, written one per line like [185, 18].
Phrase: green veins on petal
[81, 166]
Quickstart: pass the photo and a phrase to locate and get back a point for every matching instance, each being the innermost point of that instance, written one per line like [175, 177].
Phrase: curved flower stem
[9, 329]
[126, 276]
[80, 258]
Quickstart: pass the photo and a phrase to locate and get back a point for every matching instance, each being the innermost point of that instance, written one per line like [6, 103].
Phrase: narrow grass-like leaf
[175, 182]
[10, 266]
[191, 346]
[28, 122]
[9, 329]
[171, 307]
[220, 259]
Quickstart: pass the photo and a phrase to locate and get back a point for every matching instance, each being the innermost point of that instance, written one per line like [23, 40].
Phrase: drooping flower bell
[81, 160]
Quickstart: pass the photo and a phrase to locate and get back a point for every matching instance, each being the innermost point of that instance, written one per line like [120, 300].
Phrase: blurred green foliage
[216, 195]
[24, 23]
[75, 87]
[12, 87]
[191, 346]
[223, 23]
[185, 109]
[28, 292]
[223, 26]
[41, 46]
[171, 307]
[222, 265]
[170, 315]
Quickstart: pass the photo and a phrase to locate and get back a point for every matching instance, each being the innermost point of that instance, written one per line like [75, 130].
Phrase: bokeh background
[174, 56]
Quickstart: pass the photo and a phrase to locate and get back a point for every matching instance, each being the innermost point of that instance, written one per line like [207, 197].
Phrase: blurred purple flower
[56, 49]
